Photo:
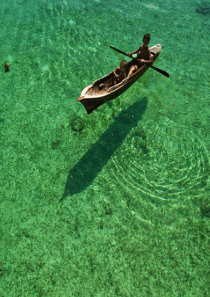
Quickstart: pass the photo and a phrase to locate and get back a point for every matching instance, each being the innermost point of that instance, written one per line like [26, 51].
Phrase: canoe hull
[92, 97]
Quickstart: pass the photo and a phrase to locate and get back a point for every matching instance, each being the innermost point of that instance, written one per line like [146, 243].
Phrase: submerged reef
[203, 8]
[77, 124]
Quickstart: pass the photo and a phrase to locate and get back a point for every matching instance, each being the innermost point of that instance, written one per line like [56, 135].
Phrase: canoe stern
[90, 104]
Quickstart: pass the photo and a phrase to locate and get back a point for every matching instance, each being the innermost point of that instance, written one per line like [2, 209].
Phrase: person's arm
[116, 75]
[135, 52]
[146, 61]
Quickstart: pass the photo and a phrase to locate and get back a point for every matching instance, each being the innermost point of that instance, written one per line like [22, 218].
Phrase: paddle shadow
[84, 172]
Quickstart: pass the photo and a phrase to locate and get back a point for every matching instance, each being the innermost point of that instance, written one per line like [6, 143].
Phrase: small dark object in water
[55, 144]
[6, 67]
[203, 8]
[205, 210]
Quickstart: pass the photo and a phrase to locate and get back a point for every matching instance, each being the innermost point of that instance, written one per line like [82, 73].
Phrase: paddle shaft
[153, 67]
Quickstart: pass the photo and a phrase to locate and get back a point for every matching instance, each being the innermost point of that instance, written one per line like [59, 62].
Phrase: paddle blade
[160, 71]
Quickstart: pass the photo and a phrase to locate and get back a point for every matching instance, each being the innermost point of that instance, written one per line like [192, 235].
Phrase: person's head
[146, 39]
[123, 65]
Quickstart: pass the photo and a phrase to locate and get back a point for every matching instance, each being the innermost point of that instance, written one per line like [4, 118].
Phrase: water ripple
[162, 161]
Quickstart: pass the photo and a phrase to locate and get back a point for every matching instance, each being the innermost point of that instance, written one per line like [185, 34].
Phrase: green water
[115, 203]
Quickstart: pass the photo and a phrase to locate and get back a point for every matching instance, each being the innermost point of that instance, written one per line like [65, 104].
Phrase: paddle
[153, 67]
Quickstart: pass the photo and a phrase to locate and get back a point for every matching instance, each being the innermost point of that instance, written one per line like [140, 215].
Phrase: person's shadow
[84, 172]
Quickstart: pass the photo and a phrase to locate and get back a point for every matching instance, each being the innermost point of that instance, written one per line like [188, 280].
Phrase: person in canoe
[143, 52]
[122, 72]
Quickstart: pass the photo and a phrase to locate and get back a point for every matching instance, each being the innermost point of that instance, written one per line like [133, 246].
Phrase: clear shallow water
[137, 218]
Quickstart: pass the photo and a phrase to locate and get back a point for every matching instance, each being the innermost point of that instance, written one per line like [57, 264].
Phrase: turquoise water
[115, 203]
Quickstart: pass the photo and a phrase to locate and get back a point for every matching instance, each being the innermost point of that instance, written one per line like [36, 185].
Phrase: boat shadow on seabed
[84, 172]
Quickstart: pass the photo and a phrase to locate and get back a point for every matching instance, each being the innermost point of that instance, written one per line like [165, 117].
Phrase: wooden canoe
[94, 95]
